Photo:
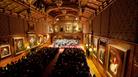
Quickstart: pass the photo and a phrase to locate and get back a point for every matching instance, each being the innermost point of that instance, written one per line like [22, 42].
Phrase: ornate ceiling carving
[43, 8]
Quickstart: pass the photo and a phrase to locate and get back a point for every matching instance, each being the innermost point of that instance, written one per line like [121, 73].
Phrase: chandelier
[59, 3]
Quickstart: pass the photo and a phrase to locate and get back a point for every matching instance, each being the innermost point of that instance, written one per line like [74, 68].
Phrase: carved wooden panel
[96, 25]
[39, 27]
[105, 22]
[85, 25]
[21, 26]
[123, 20]
[4, 25]
[16, 25]
[35, 26]
[43, 27]
[25, 24]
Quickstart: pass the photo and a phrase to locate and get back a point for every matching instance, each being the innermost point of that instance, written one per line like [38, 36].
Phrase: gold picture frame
[40, 39]
[102, 51]
[95, 46]
[5, 51]
[116, 61]
[32, 40]
[19, 45]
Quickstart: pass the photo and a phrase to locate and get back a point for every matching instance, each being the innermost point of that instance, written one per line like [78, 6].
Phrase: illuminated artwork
[101, 54]
[102, 50]
[116, 62]
[50, 29]
[19, 44]
[95, 43]
[45, 38]
[32, 40]
[67, 27]
[40, 39]
[5, 51]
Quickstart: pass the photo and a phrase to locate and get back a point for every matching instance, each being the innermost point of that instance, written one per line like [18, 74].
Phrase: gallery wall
[118, 21]
[15, 25]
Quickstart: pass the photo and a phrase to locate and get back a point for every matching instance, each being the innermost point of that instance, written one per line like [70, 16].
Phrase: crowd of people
[31, 65]
[71, 63]
[65, 42]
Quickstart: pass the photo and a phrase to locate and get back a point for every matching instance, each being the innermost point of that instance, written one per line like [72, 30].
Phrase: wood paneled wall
[96, 25]
[4, 26]
[104, 23]
[118, 21]
[16, 25]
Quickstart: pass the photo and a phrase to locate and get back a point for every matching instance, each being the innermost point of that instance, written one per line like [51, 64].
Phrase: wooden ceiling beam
[83, 17]
[8, 5]
[21, 11]
[13, 8]
[100, 0]
[93, 3]
[90, 7]
[1, 10]
[31, 7]
[89, 10]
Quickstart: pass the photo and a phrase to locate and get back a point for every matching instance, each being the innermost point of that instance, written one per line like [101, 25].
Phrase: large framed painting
[50, 29]
[102, 50]
[87, 40]
[102, 54]
[45, 38]
[116, 61]
[95, 46]
[90, 39]
[40, 39]
[19, 44]
[32, 39]
[5, 51]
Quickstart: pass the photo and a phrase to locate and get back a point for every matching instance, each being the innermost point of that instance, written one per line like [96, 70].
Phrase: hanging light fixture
[59, 3]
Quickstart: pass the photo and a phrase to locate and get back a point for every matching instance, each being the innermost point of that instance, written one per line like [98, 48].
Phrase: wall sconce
[86, 45]
[94, 49]
[90, 49]
[28, 47]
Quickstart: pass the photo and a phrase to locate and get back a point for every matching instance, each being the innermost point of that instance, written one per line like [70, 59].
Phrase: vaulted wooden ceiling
[37, 9]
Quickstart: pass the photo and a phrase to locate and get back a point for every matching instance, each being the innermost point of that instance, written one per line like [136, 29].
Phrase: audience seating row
[71, 63]
[32, 65]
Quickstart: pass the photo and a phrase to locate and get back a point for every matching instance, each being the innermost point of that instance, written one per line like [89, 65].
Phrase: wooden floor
[93, 68]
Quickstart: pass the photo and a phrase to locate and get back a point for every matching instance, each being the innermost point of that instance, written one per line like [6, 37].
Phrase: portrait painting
[50, 29]
[32, 39]
[5, 51]
[101, 54]
[45, 38]
[19, 44]
[40, 39]
[116, 62]
[102, 51]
